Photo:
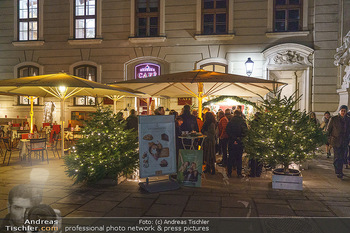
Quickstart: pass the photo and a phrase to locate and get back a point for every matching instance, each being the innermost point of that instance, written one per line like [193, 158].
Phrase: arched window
[214, 67]
[25, 71]
[87, 72]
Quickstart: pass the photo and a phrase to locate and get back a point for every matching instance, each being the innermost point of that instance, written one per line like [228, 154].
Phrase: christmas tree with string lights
[106, 149]
[282, 134]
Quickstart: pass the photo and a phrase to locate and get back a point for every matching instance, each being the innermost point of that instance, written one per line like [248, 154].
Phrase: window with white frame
[28, 20]
[26, 71]
[288, 15]
[214, 17]
[87, 72]
[85, 19]
[287, 18]
[214, 67]
[147, 18]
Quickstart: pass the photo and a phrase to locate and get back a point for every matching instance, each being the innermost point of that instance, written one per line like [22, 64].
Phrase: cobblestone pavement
[323, 195]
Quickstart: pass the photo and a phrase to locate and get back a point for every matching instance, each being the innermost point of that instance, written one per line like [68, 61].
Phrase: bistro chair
[53, 145]
[37, 147]
[8, 148]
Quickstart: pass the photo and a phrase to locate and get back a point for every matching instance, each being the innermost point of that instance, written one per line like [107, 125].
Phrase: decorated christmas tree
[106, 149]
[282, 134]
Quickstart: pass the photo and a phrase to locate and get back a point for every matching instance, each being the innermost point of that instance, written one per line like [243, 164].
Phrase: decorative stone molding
[288, 55]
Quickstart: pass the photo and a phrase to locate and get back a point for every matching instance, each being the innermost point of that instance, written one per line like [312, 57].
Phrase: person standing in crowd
[254, 164]
[178, 123]
[339, 130]
[159, 111]
[132, 121]
[120, 116]
[223, 137]
[240, 108]
[199, 121]
[314, 119]
[236, 129]
[324, 125]
[209, 142]
[173, 112]
[228, 114]
[189, 121]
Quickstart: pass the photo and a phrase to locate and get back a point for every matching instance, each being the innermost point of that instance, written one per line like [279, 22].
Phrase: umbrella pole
[115, 104]
[62, 127]
[31, 98]
[200, 98]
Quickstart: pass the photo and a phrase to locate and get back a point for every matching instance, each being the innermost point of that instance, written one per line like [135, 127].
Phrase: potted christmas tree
[281, 135]
[106, 150]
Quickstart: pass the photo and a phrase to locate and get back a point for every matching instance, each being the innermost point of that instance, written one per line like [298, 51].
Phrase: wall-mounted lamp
[249, 65]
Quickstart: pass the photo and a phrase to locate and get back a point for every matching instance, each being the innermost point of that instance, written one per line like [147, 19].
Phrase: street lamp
[249, 65]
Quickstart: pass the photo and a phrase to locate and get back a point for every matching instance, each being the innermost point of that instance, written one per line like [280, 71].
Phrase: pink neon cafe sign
[146, 70]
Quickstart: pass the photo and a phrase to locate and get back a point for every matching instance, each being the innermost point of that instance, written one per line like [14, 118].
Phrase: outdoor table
[193, 139]
[23, 146]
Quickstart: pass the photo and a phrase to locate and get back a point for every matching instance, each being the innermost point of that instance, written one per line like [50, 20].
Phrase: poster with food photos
[157, 150]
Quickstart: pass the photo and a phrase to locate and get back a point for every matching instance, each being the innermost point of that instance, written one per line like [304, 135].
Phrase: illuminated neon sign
[146, 70]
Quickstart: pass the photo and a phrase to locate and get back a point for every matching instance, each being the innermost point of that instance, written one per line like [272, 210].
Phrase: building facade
[292, 41]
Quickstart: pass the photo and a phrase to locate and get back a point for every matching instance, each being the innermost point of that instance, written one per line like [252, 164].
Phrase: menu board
[157, 145]
[190, 168]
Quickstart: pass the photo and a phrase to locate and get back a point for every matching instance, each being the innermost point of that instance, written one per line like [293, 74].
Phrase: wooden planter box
[287, 182]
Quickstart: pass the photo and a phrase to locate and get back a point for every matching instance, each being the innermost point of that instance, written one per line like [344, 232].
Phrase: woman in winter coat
[208, 129]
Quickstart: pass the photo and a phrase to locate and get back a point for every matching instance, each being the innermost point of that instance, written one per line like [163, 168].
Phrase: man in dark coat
[236, 130]
[189, 123]
[132, 121]
[339, 130]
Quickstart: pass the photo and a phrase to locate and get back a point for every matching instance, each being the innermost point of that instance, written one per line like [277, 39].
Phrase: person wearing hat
[338, 131]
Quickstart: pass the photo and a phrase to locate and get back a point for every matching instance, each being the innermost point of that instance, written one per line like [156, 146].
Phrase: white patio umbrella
[200, 84]
[61, 86]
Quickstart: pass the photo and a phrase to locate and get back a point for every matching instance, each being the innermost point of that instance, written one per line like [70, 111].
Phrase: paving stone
[132, 202]
[270, 201]
[307, 205]
[199, 214]
[145, 195]
[340, 211]
[304, 213]
[113, 196]
[205, 198]
[80, 213]
[335, 203]
[203, 206]
[238, 212]
[125, 212]
[236, 202]
[158, 210]
[57, 193]
[3, 213]
[172, 200]
[267, 210]
[76, 199]
[65, 209]
[99, 206]
[3, 204]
